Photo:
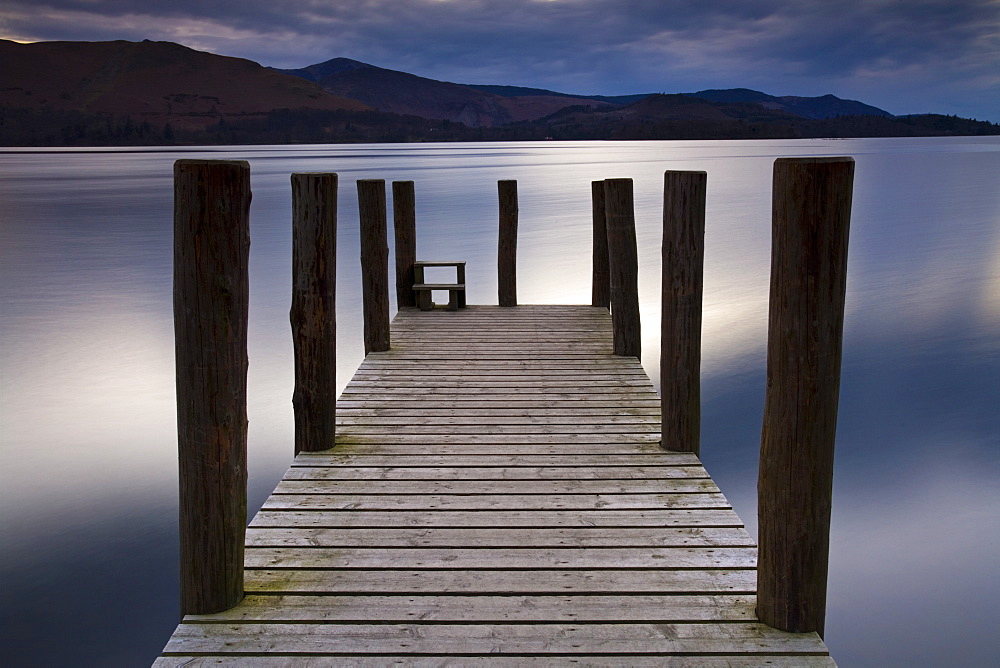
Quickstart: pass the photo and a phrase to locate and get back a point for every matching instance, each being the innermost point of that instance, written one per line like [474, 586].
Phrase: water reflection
[88, 451]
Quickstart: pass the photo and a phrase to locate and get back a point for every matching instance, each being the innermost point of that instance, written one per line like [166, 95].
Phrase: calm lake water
[88, 452]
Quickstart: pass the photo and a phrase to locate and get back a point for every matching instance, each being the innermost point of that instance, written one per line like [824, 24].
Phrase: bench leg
[461, 279]
[424, 300]
[453, 300]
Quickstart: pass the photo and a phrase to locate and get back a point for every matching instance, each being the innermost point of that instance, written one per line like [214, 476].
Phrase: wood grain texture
[530, 639]
[500, 537]
[600, 289]
[374, 264]
[683, 256]
[500, 493]
[810, 222]
[507, 246]
[573, 609]
[211, 301]
[313, 314]
[545, 519]
[623, 265]
[491, 502]
[500, 661]
[404, 224]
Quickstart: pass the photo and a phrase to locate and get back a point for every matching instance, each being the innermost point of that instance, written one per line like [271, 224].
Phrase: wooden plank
[401, 609]
[513, 355]
[336, 458]
[495, 661]
[499, 379]
[358, 417]
[603, 364]
[464, 349]
[494, 314]
[489, 382]
[508, 519]
[429, 447]
[502, 582]
[487, 432]
[502, 407]
[499, 394]
[503, 393]
[532, 639]
[500, 537]
[599, 396]
[489, 332]
[494, 473]
[494, 501]
[438, 263]
[357, 435]
[406, 558]
[469, 321]
[496, 430]
[525, 412]
[498, 486]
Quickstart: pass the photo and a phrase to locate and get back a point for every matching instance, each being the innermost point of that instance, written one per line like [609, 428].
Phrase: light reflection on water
[88, 453]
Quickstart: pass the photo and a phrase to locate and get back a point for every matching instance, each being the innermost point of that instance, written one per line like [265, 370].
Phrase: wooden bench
[456, 290]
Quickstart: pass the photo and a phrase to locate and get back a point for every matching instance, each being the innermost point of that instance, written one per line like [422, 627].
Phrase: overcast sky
[905, 56]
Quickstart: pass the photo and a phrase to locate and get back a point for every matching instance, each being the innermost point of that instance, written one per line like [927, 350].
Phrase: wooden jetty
[497, 496]
[502, 485]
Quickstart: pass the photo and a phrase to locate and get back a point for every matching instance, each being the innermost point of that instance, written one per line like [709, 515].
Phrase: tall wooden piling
[683, 256]
[810, 222]
[600, 290]
[211, 297]
[374, 264]
[314, 314]
[623, 264]
[404, 223]
[507, 247]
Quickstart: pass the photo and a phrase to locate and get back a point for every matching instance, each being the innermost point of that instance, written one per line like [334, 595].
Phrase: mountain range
[93, 93]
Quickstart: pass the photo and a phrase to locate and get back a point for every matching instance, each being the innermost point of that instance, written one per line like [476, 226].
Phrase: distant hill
[402, 93]
[662, 116]
[156, 93]
[690, 117]
[153, 82]
[521, 91]
[825, 106]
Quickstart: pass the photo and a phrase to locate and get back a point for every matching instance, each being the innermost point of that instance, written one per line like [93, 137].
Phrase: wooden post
[623, 264]
[507, 248]
[211, 297]
[314, 314]
[374, 264]
[404, 220]
[681, 297]
[600, 290]
[811, 214]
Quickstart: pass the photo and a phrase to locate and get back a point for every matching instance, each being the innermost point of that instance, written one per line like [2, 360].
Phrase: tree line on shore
[28, 127]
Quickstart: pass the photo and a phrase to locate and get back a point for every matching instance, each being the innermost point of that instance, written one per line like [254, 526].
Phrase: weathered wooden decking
[497, 496]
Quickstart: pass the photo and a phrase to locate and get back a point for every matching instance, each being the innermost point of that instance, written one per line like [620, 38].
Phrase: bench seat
[456, 294]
